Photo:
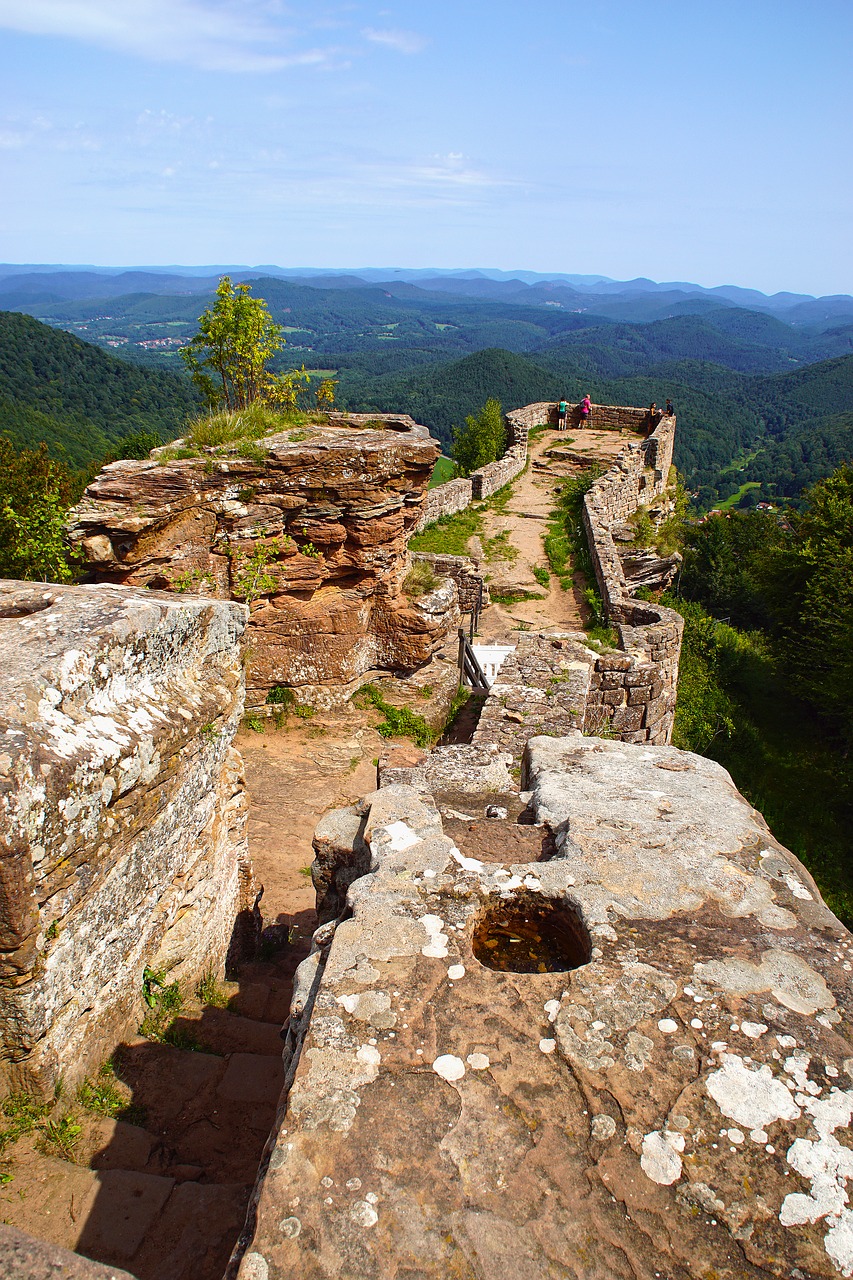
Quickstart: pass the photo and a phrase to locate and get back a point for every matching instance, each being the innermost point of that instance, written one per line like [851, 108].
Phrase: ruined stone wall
[122, 813]
[308, 526]
[445, 500]
[542, 687]
[471, 588]
[632, 694]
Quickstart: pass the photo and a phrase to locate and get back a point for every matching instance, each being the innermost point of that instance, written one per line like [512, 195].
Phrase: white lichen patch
[400, 836]
[547, 1046]
[552, 1008]
[455, 972]
[436, 946]
[753, 1030]
[467, 864]
[828, 1166]
[449, 1067]
[661, 1156]
[364, 1214]
[667, 1026]
[478, 1061]
[603, 1128]
[789, 979]
[751, 1097]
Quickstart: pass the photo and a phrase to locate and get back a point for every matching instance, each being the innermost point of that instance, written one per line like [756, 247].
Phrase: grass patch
[445, 469]
[542, 575]
[449, 535]
[398, 722]
[226, 428]
[420, 580]
[500, 548]
[513, 597]
[210, 991]
[734, 499]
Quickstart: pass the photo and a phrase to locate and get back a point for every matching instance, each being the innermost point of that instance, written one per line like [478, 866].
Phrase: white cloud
[392, 38]
[215, 35]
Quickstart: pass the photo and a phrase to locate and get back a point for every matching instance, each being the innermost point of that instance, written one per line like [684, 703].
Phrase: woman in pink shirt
[586, 405]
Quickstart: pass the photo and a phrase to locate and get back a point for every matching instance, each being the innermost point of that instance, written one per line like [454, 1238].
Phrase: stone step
[225, 1031]
[194, 1234]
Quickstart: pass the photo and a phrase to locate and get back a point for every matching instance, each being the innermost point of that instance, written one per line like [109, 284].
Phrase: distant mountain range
[632, 300]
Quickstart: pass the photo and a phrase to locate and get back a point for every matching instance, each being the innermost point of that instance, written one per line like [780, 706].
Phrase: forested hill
[76, 397]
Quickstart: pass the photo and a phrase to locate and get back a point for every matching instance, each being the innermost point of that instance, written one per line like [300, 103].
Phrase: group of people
[585, 408]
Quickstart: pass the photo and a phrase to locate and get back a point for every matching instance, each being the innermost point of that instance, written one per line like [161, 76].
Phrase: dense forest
[766, 676]
[78, 399]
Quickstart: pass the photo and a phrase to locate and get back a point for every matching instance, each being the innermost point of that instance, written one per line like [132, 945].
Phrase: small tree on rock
[228, 357]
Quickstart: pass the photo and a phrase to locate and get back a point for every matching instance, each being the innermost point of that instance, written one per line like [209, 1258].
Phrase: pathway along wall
[630, 693]
[122, 814]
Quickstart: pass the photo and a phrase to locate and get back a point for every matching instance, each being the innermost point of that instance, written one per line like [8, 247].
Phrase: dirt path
[512, 538]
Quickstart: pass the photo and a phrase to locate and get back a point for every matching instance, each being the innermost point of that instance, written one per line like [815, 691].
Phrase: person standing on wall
[669, 411]
[586, 408]
[562, 410]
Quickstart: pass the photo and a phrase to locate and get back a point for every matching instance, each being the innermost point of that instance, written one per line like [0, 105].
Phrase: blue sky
[674, 139]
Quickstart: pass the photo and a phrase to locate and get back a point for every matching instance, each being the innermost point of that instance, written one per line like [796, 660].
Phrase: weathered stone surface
[122, 812]
[22, 1257]
[312, 534]
[678, 1105]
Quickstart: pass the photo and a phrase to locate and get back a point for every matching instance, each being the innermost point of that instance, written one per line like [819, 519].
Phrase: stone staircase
[165, 1198]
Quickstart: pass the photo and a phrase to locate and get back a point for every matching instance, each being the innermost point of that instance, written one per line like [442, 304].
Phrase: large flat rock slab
[678, 1104]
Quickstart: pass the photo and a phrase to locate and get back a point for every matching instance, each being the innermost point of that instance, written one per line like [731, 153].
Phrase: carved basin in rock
[524, 935]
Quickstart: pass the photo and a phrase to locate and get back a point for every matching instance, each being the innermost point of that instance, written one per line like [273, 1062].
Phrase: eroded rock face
[311, 533]
[122, 812]
[676, 1104]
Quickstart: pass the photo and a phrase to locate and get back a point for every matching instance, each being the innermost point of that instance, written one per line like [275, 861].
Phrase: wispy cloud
[38, 131]
[392, 38]
[214, 35]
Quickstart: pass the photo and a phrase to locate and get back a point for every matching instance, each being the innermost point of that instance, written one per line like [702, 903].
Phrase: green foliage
[254, 722]
[280, 696]
[500, 548]
[542, 576]
[513, 597]
[138, 445]
[420, 579]
[59, 1137]
[164, 1001]
[35, 492]
[399, 722]
[210, 991]
[103, 1095]
[482, 440]
[735, 705]
[229, 355]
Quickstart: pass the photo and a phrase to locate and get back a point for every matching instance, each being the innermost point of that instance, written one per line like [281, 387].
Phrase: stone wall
[308, 526]
[471, 588]
[445, 500]
[632, 694]
[122, 813]
[543, 687]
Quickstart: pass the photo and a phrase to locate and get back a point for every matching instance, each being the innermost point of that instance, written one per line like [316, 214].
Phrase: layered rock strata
[657, 1081]
[122, 813]
[310, 528]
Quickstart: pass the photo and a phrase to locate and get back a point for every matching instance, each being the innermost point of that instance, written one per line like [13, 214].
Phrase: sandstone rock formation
[631, 1059]
[122, 813]
[310, 528]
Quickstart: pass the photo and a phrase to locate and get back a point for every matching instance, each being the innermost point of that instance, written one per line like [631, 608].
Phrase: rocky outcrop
[122, 813]
[630, 1058]
[309, 527]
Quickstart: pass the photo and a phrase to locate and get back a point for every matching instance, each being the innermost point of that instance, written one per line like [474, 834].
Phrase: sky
[661, 138]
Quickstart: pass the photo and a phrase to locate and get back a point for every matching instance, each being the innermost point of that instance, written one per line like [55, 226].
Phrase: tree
[35, 493]
[482, 440]
[228, 357]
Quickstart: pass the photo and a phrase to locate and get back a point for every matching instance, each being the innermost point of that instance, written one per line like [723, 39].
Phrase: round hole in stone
[531, 934]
